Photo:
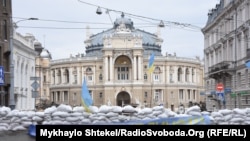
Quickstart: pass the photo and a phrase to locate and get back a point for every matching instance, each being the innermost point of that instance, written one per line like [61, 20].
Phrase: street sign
[1, 75]
[35, 85]
[219, 87]
[35, 78]
[34, 94]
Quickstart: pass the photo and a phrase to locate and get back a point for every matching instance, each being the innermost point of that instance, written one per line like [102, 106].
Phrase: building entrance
[123, 98]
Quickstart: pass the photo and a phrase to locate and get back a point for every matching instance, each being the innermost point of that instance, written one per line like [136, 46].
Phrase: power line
[149, 18]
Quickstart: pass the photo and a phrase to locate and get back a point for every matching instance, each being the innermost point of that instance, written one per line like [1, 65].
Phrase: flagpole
[151, 90]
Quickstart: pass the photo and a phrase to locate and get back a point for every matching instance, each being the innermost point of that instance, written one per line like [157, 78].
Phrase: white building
[24, 56]
[116, 68]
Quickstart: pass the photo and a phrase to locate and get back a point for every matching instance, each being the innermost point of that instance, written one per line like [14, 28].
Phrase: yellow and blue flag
[151, 63]
[86, 97]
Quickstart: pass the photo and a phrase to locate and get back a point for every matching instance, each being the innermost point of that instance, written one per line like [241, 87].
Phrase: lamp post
[11, 95]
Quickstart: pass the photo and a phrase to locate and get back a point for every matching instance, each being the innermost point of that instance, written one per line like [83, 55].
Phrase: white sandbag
[37, 119]
[76, 114]
[105, 109]
[72, 119]
[128, 109]
[18, 128]
[158, 108]
[40, 114]
[50, 110]
[60, 113]
[194, 113]
[57, 122]
[225, 111]
[116, 109]
[236, 120]
[94, 109]
[79, 109]
[85, 121]
[12, 113]
[64, 108]
[228, 117]
[58, 118]
[26, 124]
[146, 111]
[3, 128]
[86, 114]
[193, 108]
[4, 111]
[156, 112]
[239, 111]
[26, 118]
[216, 114]
[111, 114]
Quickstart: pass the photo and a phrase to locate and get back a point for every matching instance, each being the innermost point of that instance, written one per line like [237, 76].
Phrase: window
[194, 95]
[90, 78]
[187, 75]
[158, 95]
[239, 79]
[100, 95]
[5, 30]
[189, 94]
[181, 97]
[65, 96]
[145, 94]
[156, 77]
[100, 77]
[44, 78]
[179, 74]
[4, 3]
[171, 78]
[53, 96]
[58, 96]
[66, 75]
[123, 73]
[145, 76]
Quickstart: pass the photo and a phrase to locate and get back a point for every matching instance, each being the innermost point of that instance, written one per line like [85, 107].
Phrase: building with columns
[116, 69]
[226, 40]
[24, 63]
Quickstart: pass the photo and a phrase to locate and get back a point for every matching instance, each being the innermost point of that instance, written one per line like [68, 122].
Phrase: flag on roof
[151, 63]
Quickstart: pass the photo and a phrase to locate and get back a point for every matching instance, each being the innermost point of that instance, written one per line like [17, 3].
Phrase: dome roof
[45, 53]
[150, 42]
[127, 22]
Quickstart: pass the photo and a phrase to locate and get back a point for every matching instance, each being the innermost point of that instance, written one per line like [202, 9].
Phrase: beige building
[226, 52]
[116, 69]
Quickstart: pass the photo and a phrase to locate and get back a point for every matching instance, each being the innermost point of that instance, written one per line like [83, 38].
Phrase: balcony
[222, 69]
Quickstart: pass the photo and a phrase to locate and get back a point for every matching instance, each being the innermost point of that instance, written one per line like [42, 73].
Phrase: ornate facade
[116, 69]
[226, 52]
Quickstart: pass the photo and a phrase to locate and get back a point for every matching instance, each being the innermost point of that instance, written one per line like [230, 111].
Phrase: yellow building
[116, 69]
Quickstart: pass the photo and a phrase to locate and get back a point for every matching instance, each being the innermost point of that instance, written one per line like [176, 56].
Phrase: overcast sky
[61, 27]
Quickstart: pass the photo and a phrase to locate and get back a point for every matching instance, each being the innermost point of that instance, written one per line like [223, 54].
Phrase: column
[79, 77]
[111, 68]
[134, 68]
[139, 67]
[106, 68]
[71, 76]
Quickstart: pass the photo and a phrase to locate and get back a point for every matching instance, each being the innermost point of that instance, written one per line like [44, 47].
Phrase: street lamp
[11, 95]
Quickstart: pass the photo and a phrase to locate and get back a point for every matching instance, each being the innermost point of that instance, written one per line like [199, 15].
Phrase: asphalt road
[15, 136]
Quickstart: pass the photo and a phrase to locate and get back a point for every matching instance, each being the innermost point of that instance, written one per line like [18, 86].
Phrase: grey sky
[65, 38]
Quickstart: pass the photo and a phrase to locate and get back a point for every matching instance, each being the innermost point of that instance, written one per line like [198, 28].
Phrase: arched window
[179, 74]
